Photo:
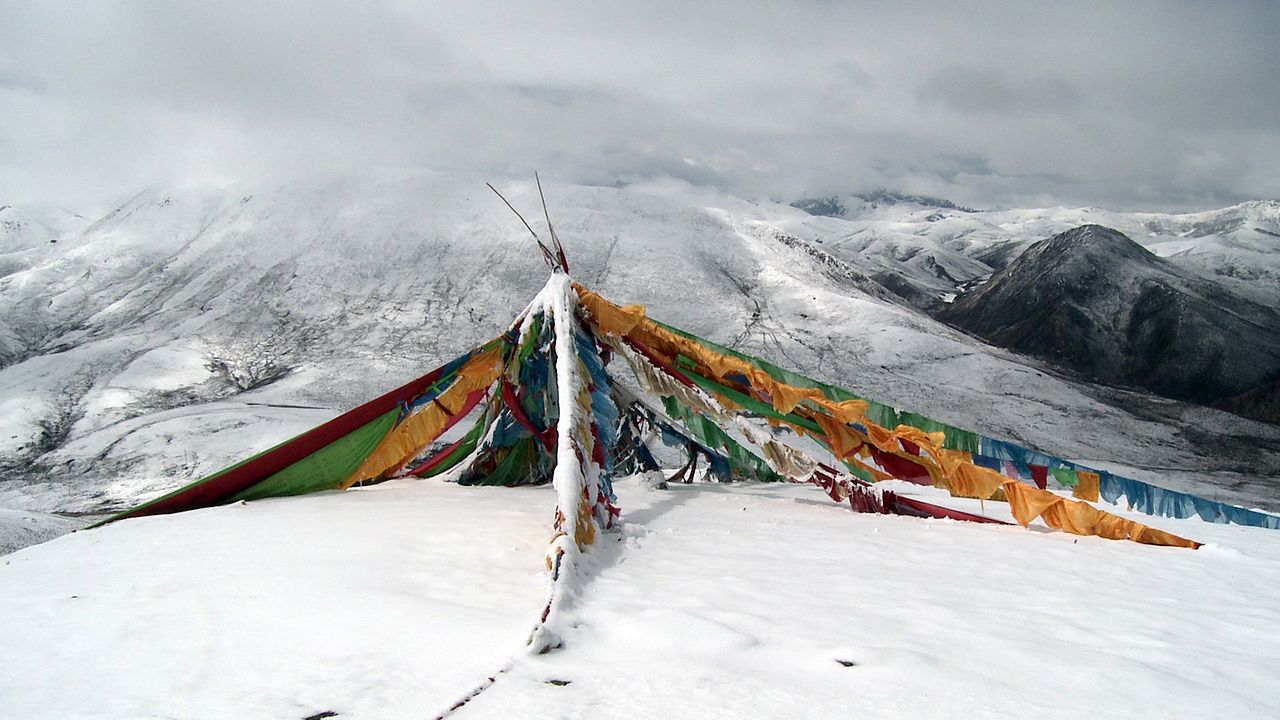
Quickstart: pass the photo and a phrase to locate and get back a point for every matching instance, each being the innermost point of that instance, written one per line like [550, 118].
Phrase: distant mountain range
[196, 324]
[927, 251]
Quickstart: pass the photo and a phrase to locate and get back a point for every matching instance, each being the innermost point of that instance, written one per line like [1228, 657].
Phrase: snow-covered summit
[25, 226]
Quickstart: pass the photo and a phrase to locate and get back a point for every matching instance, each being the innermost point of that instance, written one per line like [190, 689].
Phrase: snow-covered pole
[575, 524]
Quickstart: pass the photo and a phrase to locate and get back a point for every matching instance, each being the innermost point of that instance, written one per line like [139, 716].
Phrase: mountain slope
[1097, 302]
[28, 236]
[909, 239]
[196, 325]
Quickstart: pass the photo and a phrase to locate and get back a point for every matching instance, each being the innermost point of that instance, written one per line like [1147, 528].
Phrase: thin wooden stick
[564, 262]
[546, 253]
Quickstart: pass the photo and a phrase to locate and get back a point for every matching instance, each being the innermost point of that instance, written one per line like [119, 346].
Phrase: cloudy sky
[1128, 105]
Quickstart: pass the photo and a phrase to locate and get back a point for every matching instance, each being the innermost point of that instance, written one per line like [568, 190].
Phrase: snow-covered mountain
[30, 226]
[195, 325]
[1093, 300]
[927, 247]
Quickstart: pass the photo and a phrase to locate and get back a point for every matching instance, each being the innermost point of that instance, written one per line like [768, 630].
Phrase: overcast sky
[1126, 105]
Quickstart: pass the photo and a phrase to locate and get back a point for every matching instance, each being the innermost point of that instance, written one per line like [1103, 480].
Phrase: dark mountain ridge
[1096, 302]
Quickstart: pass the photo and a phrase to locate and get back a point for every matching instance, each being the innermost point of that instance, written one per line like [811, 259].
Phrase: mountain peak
[1095, 301]
[1091, 240]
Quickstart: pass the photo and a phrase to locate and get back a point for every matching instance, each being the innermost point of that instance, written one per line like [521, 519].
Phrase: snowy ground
[714, 602]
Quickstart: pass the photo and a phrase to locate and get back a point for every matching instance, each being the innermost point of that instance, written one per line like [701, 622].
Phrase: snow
[156, 448]
[364, 602]
[23, 528]
[170, 367]
[1238, 246]
[557, 301]
[714, 601]
[353, 285]
[560, 302]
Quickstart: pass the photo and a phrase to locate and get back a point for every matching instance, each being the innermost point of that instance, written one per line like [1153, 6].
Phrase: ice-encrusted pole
[574, 521]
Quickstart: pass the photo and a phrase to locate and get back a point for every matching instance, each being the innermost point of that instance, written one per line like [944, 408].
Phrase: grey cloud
[1139, 105]
[983, 91]
[949, 166]
[25, 83]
